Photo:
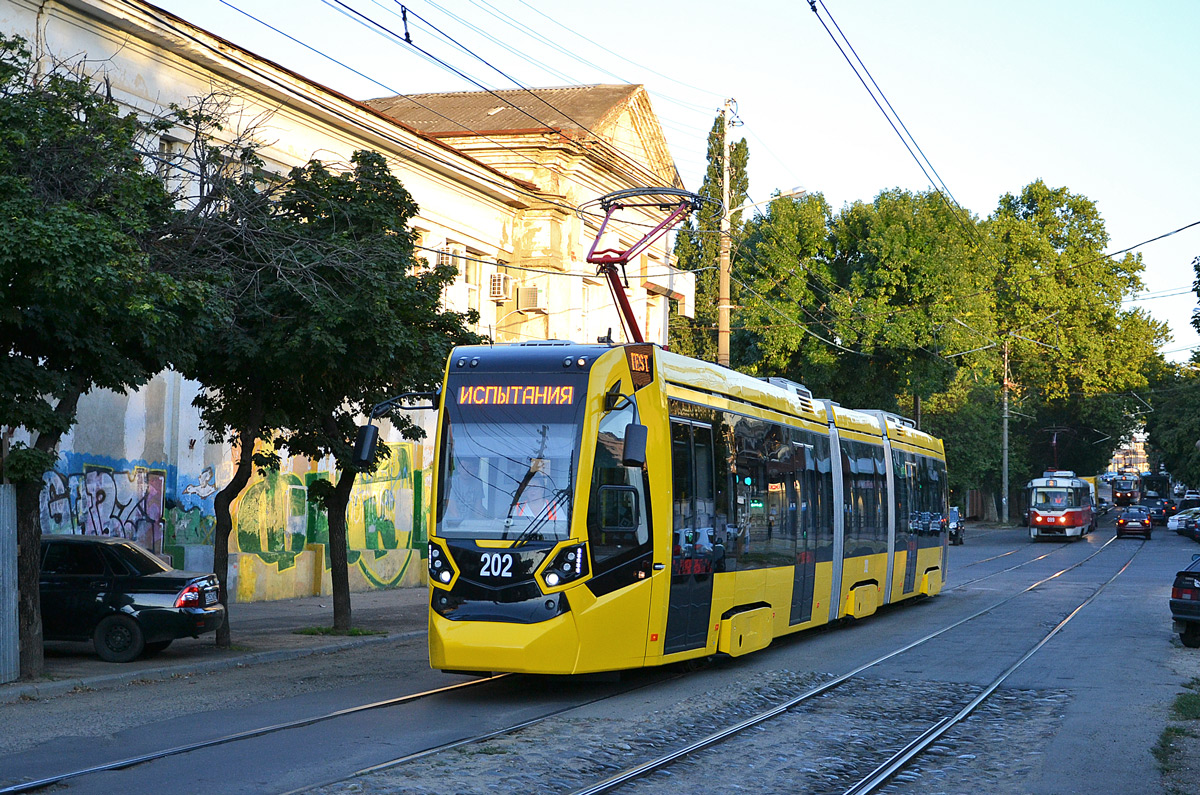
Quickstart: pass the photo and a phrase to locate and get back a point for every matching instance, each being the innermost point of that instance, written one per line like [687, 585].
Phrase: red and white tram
[1060, 506]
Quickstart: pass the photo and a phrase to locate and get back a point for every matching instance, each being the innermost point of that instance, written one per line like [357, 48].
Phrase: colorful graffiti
[274, 521]
[100, 496]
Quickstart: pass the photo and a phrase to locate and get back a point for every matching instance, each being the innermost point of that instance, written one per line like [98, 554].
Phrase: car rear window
[138, 560]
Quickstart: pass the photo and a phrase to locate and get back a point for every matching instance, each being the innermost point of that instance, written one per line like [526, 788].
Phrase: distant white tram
[1060, 506]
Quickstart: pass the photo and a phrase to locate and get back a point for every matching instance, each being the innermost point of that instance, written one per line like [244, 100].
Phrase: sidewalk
[261, 632]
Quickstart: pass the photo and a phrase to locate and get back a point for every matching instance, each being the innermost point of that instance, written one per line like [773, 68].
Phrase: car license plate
[209, 597]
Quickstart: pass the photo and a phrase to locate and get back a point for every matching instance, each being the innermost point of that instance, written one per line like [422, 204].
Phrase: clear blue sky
[1098, 96]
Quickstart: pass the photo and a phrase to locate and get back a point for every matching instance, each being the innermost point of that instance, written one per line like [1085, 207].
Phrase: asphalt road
[1117, 663]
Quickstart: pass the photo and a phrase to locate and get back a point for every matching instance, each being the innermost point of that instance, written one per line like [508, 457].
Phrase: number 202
[496, 565]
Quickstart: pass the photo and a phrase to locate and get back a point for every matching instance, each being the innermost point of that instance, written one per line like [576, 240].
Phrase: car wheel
[1190, 636]
[155, 647]
[118, 638]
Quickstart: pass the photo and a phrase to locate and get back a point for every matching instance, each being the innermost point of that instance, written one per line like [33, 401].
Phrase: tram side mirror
[364, 446]
[634, 452]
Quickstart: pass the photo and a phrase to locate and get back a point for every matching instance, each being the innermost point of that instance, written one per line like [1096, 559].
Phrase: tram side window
[618, 510]
[681, 468]
[780, 543]
[751, 488]
[932, 488]
[853, 500]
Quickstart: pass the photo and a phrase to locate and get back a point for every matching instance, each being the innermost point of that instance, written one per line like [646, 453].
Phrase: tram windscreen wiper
[543, 516]
[536, 465]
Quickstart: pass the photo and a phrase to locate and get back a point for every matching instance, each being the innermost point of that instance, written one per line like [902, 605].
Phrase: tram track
[997, 573]
[898, 760]
[249, 734]
[666, 759]
[140, 759]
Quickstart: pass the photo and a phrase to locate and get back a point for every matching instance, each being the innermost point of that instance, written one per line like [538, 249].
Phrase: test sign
[516, 395]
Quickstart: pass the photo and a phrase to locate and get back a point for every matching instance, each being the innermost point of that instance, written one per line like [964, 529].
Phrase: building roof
[572, 109]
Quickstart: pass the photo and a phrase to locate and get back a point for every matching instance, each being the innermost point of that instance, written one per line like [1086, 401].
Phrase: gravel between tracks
[823, 746]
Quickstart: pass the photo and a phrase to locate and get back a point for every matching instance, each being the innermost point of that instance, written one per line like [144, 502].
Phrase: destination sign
[516, 395]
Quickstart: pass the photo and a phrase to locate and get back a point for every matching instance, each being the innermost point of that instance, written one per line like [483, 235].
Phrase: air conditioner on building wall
[500, 287]
[531, 299]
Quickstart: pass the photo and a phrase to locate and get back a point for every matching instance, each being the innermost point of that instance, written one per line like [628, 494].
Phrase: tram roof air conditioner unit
[531, 299]
[500, 287]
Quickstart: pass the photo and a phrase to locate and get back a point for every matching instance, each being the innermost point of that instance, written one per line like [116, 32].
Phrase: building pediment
[617, 119]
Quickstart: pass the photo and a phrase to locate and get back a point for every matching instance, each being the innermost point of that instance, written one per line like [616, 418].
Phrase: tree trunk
[29, 550]
[29, 564]
[990, 514]
[247, 436]
[338, 545]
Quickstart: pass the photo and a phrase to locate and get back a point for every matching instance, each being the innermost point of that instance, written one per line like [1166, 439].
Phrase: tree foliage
[83, 305]
[909, 304]
[328, 313]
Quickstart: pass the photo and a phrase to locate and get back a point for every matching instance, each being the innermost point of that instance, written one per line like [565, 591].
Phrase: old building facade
[497, 198]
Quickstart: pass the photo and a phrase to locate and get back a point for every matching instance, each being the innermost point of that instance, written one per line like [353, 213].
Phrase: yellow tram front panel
[507, 606]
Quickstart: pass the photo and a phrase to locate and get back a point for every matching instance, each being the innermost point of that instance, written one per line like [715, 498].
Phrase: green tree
[84, 305]
[384, 333]
[328, 312]
[785, 321]
[1075, 356]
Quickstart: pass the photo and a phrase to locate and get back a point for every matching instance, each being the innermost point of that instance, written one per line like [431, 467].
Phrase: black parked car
[1160, 509]
[1185, 604]
[122, 598]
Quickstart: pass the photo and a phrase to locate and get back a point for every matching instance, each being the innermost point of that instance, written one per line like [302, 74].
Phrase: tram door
[694, 535]
[912, 520]
[802, 514]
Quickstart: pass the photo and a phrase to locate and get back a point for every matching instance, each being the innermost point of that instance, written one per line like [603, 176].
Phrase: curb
[14, 692]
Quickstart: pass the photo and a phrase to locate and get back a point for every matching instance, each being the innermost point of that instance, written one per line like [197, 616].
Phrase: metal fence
[10, 663]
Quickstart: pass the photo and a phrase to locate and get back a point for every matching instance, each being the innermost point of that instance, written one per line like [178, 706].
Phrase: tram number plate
[496, 564]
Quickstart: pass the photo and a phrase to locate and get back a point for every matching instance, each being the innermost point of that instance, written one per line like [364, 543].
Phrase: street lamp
[723, 265]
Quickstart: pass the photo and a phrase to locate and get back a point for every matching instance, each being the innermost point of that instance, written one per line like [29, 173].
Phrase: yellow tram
[603, 507]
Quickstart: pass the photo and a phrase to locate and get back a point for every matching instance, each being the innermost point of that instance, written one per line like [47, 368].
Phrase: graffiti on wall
[103, 497]
[273, 518]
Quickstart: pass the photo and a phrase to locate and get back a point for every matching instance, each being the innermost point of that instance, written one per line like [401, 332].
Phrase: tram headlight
[441, 568]
[568, 565]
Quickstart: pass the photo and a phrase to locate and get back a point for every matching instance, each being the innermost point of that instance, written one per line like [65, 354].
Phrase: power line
[937, 184]
[386, 87]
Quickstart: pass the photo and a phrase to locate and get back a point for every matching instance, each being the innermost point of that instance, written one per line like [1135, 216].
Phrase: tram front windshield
[1055, 499]
[508, 471]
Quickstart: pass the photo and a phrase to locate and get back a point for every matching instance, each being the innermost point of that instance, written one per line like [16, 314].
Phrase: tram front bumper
[546, 647]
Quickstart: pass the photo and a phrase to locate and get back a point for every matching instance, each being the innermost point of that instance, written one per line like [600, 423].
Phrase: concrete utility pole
[723, 256]
[1004, 440]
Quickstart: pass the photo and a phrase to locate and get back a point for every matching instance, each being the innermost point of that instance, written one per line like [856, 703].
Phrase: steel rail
[1005, 571]
[645, 768]
[121, 764]
[366, 771]
[880, 775]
